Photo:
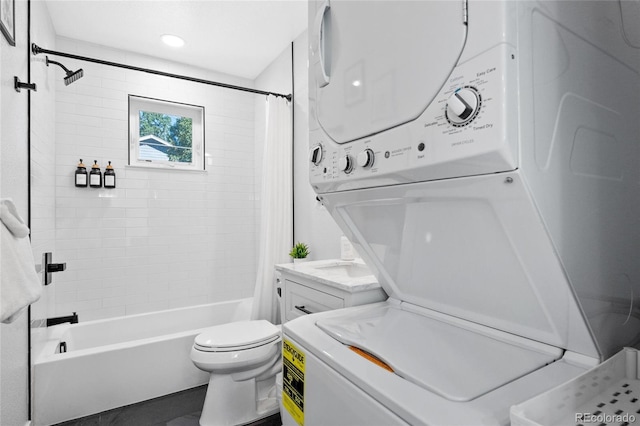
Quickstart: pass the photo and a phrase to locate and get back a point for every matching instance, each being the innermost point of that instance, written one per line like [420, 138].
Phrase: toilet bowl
[243, 359]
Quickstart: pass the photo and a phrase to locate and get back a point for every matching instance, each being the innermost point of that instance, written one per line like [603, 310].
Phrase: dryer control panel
[469, 129]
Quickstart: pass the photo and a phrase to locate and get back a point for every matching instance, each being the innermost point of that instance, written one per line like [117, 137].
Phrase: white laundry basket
[608, 394]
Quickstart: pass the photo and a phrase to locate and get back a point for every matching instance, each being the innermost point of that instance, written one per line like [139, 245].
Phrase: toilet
[243, 359]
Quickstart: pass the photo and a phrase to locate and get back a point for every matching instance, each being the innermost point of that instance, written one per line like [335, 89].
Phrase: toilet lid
[237, 336]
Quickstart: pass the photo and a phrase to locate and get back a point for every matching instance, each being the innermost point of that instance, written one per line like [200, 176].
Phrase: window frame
[194, 112]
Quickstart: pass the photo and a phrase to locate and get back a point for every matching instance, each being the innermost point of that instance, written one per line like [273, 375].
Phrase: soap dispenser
[81, 175]
[95, 176]
[109, 177]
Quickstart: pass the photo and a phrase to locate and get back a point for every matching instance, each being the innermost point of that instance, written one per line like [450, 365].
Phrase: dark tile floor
[178, 409]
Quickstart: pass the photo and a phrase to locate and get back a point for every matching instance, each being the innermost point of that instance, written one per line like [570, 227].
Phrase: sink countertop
[332, 273]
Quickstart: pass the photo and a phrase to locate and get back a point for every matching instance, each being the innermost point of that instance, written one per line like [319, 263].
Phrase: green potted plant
[299, 252]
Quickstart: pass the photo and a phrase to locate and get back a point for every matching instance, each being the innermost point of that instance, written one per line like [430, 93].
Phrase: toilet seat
[237, 336]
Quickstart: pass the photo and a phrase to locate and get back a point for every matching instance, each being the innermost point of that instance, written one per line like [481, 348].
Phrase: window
[165, 134]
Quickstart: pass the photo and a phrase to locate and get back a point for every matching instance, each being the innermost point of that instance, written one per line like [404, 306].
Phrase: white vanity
[324, 285]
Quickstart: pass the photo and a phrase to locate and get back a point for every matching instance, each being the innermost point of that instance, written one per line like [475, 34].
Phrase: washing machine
[483, 157]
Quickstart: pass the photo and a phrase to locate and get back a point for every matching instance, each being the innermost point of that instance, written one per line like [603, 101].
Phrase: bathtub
[120, 361]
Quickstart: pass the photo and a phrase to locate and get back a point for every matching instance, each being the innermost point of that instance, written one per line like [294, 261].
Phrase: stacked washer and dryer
[484, 157]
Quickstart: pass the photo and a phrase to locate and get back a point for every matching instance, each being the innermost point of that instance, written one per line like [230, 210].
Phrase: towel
[19, 282]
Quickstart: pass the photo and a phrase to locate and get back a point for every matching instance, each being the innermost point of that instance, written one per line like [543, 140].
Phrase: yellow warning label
[293, 381]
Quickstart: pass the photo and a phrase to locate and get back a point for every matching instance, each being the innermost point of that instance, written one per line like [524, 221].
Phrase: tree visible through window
[165, 134]
[175, 130]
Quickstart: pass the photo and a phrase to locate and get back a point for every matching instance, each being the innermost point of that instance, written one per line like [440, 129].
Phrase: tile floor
[178, 409]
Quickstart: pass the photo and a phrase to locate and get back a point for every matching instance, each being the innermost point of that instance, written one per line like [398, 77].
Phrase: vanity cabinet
[325, 285]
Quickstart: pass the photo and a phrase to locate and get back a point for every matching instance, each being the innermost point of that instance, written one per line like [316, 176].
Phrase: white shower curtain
[276, 213]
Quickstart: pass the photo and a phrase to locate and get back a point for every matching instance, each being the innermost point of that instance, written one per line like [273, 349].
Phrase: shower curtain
[276, 213]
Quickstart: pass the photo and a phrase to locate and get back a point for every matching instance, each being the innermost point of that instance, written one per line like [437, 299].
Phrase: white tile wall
[161, 239]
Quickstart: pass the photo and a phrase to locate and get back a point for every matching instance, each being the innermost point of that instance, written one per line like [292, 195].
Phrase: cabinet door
[301, 300]
[378, 64]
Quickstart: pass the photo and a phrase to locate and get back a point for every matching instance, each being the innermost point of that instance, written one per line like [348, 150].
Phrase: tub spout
[73, 319]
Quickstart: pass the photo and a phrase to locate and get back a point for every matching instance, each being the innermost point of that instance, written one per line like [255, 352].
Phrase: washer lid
[237, 336]
[473, 248]
[378, 64]
[453, 358]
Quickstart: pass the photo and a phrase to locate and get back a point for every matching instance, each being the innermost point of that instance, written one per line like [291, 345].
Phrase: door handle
[320, 45]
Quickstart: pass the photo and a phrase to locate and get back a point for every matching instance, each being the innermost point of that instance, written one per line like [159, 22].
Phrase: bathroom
[493, 192]
[161, 239]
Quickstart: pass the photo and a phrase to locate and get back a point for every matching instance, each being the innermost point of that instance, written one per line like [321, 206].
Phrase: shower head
[71, 75]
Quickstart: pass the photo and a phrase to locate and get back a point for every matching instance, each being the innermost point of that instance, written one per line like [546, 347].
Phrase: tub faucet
[73, 319]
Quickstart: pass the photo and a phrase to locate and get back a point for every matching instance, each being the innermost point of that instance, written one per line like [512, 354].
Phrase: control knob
[315, 156]
[463, 106]
[365, 158]
[345, 164]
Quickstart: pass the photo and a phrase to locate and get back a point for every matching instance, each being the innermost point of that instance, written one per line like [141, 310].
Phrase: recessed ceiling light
[172, 40]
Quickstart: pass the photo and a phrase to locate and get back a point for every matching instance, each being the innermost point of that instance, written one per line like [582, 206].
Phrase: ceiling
[237, 37]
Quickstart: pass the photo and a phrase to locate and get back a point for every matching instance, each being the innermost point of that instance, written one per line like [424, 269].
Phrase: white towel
[19, 282]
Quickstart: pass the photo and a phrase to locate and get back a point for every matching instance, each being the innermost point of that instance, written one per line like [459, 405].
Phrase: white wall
[161, 239]
[312, 223]
[14, 363]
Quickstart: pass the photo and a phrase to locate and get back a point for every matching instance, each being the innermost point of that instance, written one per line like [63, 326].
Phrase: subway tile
[116, 222]
[138, 193]
[89, 253]
[101, 293]
[134, 254]
[114, 212]
[129, 183]
[157, 296]
[112, 254]
[114, 242]
[101, 313]
[92, 264]
[78, 306]
[137, 232]
[66, 296]
[116, 275]
[137, 213]
[162, 236]
[125, 202]
[137, 222]
[141, 308]
[110, 302]
[119, 103]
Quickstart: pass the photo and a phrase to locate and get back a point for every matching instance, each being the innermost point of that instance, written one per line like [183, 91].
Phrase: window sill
[163, 169]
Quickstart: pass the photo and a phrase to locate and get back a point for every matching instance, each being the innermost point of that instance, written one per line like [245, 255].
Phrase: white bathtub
[121, 361]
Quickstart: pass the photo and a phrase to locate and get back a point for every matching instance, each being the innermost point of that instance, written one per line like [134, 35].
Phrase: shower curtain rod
[37, 50]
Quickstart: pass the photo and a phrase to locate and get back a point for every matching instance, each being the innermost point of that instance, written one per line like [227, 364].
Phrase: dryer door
[366, 84]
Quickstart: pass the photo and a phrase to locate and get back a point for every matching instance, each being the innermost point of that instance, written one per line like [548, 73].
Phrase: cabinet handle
[302, 308]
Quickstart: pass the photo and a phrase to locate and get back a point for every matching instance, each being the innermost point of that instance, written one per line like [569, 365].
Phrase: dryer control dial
[316, 154]
[345, 164]
[463, 106]
[365, 158]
